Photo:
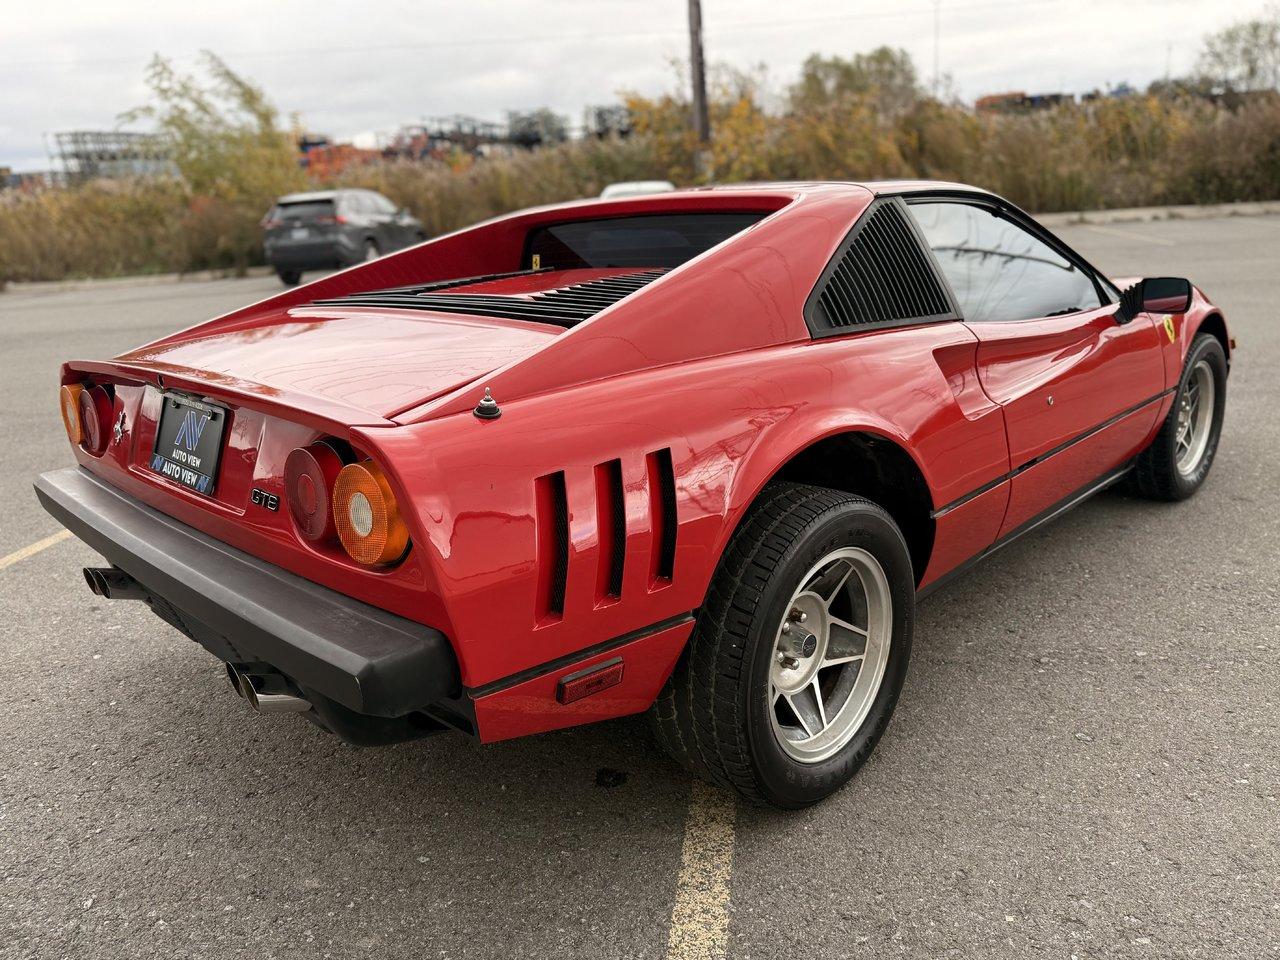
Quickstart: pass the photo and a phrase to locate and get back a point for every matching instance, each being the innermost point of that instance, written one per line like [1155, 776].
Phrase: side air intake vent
[662, 507]
[612, 524]
[563, 306]
[880, 277]
[552, 544]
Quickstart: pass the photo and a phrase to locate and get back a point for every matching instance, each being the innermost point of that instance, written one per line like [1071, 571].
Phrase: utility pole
[697, 71]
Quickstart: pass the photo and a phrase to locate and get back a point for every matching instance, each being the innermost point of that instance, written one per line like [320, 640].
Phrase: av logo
[189, 430]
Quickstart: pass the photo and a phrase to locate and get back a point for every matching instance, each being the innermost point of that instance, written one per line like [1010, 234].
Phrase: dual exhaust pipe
[265, 693]
[112, 583]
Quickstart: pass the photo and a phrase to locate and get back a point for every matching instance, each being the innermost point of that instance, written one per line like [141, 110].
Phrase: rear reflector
[95, 419]
[584, 683]
[309, 476]
[69, 402]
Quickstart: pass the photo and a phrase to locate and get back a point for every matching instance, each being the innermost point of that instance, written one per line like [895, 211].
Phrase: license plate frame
[188, 447]
[299, 233]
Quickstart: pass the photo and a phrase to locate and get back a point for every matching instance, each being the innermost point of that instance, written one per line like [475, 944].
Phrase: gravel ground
[1083, 763]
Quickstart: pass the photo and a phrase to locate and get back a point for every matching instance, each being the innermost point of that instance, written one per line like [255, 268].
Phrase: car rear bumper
[245, 610]
[317, 254]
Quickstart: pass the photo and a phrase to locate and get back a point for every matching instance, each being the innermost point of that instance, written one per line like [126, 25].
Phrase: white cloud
[349, 68]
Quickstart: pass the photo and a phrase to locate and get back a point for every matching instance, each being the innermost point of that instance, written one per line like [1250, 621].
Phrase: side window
[999, 271]
[382, 204]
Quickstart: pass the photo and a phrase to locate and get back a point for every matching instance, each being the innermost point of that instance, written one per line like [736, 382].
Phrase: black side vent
[881, 277]
[563, 306]
[662, 508]
[552, 544]
[612, 523]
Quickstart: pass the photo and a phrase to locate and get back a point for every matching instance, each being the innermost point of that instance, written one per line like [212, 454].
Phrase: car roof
[315, 196]
[878, 187]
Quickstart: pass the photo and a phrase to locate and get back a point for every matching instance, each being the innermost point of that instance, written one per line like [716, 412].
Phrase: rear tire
[371, 251]
[289, 278]
[1177, 462]
[756, 703]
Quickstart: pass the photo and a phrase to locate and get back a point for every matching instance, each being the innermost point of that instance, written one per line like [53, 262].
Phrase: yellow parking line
[33, 549]
[700, 916]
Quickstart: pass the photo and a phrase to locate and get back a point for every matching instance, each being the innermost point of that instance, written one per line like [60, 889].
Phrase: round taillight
[309, 475]
[367, 516]
[95, 419]
[69, 403]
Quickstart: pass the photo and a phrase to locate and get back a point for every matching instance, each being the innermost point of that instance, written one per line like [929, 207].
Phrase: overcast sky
[358, 66]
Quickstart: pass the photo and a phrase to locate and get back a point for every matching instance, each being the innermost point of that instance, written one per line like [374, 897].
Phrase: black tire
[713, 716]
[289, 278]
[1156, 474]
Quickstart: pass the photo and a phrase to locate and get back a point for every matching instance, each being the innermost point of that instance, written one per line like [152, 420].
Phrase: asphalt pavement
[1083, 764]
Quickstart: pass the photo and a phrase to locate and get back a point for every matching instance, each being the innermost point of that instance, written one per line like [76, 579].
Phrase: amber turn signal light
[367, 516]
[69, 402]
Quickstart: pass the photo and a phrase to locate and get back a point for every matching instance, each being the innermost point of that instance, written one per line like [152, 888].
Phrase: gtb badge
[264, 499]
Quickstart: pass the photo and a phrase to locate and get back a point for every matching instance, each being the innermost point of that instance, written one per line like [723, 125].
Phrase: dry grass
[1129, 152]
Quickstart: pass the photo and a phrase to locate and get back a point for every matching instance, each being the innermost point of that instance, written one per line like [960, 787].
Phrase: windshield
[307, 210]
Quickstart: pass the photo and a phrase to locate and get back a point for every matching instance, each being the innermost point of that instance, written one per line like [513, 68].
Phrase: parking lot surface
[1083, 762]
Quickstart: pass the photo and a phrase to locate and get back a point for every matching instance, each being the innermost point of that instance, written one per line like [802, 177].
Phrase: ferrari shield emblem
[1168, 327]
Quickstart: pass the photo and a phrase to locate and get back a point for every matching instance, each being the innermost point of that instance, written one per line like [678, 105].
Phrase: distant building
[110, 155]
[1018, 101]
[604, 121]
[323, 160]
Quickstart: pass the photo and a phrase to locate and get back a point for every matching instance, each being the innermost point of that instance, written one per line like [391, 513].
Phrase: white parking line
[700, 916]
[33, 549]
[1130, 235]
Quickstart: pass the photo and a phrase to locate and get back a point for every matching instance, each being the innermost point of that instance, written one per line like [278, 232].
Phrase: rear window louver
[880, 277]
[564, 306]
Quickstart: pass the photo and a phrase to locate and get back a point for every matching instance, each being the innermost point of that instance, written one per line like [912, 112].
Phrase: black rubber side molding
[368, 660]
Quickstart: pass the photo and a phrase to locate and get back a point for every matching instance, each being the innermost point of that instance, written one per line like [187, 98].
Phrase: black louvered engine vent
[881, 277]
[563, 306]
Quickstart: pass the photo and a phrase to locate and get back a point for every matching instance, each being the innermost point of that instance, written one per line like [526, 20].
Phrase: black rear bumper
[246, 610]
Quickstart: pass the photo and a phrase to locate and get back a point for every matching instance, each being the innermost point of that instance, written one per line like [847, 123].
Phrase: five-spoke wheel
[830, 653]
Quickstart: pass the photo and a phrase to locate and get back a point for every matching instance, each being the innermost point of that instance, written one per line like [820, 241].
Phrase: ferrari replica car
[696, 453]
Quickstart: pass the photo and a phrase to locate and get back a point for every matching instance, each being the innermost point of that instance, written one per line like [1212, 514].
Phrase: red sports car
[698, 453]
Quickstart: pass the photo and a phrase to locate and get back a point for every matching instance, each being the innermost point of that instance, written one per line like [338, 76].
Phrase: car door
[1079, 390]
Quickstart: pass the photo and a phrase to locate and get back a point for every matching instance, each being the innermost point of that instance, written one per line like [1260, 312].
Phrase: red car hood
[378, 361]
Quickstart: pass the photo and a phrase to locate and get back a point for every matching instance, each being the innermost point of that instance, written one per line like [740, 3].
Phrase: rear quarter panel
[730, 424]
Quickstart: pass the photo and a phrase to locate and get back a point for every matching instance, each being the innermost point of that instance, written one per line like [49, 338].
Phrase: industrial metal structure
[111, 154]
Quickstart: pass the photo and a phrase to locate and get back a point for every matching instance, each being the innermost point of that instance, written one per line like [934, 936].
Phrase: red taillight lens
[309, 475]
[95, 419]
[338, 219]
[270, 224]
[69, 403]
[367, 516]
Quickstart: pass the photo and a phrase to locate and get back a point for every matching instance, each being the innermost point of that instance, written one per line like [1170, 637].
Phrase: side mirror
[1155, 295]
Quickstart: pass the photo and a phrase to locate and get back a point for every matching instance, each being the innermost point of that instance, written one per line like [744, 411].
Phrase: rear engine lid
[375, 360]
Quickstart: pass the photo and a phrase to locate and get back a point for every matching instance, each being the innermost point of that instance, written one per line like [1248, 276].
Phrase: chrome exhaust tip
[112, 583]
[265, 694]
[94, 580]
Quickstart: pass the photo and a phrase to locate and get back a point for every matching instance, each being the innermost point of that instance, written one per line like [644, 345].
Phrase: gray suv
[334, 228]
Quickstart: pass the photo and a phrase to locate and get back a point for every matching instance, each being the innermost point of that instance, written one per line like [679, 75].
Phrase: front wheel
[800, 651]
[289, 278]
[1177, 462]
